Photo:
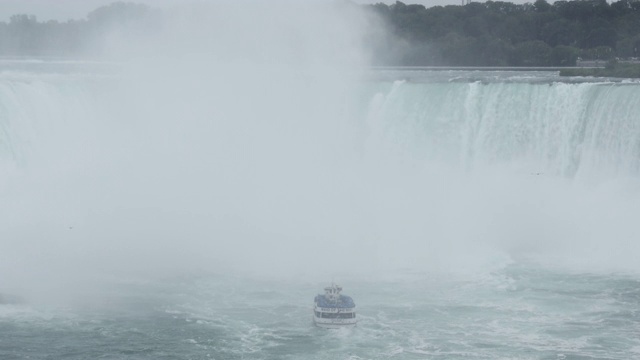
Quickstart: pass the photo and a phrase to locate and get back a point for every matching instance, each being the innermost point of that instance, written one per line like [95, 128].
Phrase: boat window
[346, 315]
[338, 315]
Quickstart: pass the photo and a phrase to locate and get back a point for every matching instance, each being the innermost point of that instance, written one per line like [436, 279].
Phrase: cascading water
[407, 163]
[33, 108]
[575, 130]
[480, 203]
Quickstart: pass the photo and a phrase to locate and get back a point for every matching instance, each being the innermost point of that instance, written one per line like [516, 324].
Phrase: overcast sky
[63, 10]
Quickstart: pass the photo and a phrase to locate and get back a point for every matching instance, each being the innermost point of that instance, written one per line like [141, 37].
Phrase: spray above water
[214, 146]
[242, 138]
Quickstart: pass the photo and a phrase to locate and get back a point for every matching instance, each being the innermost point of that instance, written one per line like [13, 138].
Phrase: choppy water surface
[518, 312]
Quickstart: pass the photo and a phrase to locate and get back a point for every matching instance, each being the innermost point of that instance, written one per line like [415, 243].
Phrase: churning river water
[515, 312]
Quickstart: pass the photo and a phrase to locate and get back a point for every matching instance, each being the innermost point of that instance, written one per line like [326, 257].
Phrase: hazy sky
[63, 10]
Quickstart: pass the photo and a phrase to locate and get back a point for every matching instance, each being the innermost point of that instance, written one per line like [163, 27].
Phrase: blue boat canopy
[343, 302]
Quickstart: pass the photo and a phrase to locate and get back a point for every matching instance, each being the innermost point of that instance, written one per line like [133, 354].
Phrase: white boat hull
[334, 323]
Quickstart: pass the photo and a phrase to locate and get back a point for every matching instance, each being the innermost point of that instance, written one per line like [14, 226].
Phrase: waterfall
[574, 130]
[132, 172]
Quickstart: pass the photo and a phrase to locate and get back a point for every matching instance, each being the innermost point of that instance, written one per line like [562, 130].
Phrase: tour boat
[333, 310]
